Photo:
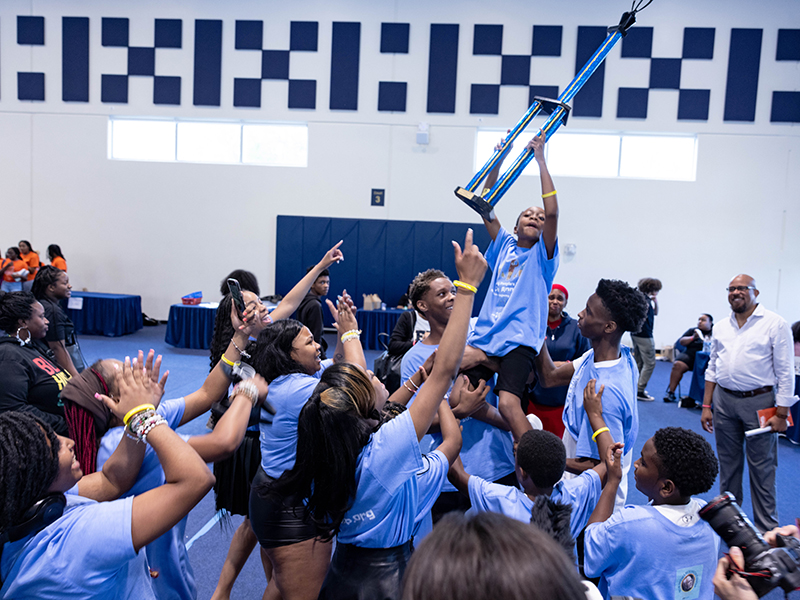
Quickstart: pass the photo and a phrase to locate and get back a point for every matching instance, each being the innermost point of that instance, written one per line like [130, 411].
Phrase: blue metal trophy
[558, 110]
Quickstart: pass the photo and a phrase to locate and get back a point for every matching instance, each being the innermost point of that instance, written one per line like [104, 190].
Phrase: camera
[765, 567]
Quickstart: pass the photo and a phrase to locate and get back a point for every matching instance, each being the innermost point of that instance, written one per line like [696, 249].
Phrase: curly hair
[15, 307]
[649, 285]
[686, 458]
[272, 352]
[626, 305]
[45, 277]
[28, 462]
[422, 283]
[542, 456]
[247, 281]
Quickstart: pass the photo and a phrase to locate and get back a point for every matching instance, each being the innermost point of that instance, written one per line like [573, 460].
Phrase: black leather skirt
[277, 521]
[358, 573]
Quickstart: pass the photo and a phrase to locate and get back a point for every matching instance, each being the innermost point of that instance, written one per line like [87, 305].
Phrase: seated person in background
[564, 343]
[31, 259]
[56, 257]
[663, 550]
[613, 309]
[692, 340]
[14, 270]
[309, 312]
[512, 321]
[50, 286]
[412, 327]
[29, 380]
[516, 562]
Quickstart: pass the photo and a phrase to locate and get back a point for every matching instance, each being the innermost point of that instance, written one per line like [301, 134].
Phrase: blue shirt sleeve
[494, 251]
[394, 455]
[582, 494]
[430, 481]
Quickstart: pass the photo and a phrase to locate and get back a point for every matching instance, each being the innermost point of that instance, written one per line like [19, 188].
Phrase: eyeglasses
[740, 288]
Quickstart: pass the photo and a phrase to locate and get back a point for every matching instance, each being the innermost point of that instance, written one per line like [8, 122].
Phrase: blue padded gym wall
[381, 257]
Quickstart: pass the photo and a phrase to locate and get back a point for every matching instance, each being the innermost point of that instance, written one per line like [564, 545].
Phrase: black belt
[749, 394]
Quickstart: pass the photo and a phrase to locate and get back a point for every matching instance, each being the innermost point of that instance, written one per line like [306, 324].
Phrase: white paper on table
[75, 303]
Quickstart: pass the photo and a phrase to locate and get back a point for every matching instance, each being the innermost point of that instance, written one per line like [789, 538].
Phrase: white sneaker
[644, 397]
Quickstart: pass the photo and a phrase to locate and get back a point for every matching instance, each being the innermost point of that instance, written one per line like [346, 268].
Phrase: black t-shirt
[309, 313]
[647, 326]
[29, 382]
[61, 328]
[695, 345]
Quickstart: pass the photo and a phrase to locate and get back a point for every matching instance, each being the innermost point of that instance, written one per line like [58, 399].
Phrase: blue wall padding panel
[207, 62]
[785, 107]
[484, 99]
[141, 61]
[487, 40]
[303, 36]
[247, 92]
[249, 35]
[515, 70]
[392, 96]
[442, 69]
[589, 101]
[638, 43]
[665, 74]
[302, 93]
[114, 88]
[698, 42]
[546, 91]
[693, 105]
[275, 64]
[632, 103]
[169, 33]
[166, 90]
[30, 86]
[743, 65]
[394, 38]
[115, 32]
[75, 59]
[345, 56]
[381, 257]
[788, 44]
[30, 31]
[546, 40]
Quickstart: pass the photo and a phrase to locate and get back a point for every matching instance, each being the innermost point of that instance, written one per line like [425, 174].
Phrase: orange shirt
[16, 265]
[32, 260]
[59, 263]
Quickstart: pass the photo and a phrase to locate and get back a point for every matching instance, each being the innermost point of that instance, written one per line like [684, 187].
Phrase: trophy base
[476, 203]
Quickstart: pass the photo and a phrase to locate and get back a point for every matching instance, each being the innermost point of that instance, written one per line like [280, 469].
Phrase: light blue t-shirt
[620, 412]
[580, 493]
[166, 555]
[639, 552]
[87, 553]
[486, 451]
[429, 481]
[514, 312]
[387, 494]
[288, 394]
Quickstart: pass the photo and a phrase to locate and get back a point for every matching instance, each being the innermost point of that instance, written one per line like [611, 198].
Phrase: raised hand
[613, 460]
[135, 389]
[343, 312]
[464, 401]
[470, 264]
[537, 145]
[158, 386]
[334, 255]
[427, 366]
[593, 399]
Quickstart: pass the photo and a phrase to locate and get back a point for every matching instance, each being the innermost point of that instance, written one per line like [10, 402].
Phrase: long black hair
[15, 307]
[272, 353]
[54, 250]
[333, 428]
[45, 277]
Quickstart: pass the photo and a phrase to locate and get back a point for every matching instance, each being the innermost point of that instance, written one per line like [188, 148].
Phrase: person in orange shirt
[14, 271]
[31, 259]
[56, 257]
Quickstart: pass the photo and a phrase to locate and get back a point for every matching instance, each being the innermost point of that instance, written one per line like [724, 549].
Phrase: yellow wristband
[465, 286]
[137, 410]
[548, 194]
[227, 361]
[598, 432]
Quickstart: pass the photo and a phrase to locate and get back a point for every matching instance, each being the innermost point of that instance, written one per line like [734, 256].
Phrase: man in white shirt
[750, 369]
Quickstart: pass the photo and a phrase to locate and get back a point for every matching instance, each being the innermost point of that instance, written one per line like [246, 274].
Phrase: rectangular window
[216, 142]
[651, 157]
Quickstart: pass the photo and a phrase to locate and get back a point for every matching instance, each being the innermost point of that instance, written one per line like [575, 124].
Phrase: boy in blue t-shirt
[663, 550]
[513, 319]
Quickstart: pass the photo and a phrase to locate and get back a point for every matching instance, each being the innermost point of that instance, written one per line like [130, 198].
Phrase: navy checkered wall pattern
[744, 57]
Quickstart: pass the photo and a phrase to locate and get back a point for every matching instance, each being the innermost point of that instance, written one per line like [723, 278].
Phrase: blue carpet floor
[188, 369]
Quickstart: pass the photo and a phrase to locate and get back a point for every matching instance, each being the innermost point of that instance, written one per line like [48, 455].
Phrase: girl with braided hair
[48, 510]
[50, 287]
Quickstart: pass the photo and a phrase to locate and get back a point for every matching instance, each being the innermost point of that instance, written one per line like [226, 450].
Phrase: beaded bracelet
[135, 411]
[242, 352]
[246, 388]
[143, 423]
[548, 194]
[353, 334]
[151, 424]
[465, 286]
[598, 432]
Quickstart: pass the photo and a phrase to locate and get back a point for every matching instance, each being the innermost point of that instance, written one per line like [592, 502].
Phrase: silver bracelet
[242, 352]
[246, 388]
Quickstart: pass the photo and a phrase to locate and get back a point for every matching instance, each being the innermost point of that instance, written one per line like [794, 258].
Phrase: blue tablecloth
[106, 314]
[698, 386]
[373, 322]
[190, 326]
